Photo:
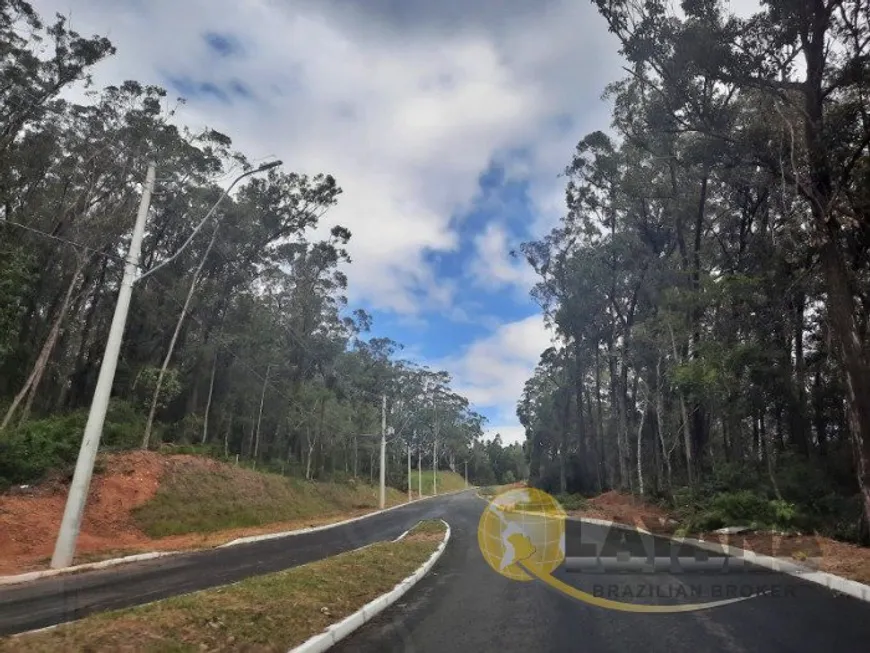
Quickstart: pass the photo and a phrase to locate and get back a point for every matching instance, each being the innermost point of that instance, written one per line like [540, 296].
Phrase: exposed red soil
[30, 518]
[626, 509]
[822, 553]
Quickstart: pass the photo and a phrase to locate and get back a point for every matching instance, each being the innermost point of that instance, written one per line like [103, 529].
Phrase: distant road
[463, 605]
[68, 597]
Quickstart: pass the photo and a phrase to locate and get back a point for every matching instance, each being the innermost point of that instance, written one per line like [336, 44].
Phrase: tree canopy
[243, 342]
[709, 279]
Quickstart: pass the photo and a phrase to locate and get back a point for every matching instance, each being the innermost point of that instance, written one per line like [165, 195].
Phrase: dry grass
[268, 613]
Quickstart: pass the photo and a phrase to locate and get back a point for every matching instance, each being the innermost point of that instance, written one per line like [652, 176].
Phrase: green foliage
[700, 346]
[572, 501]
[38, 447]
[146, 382]
[32, 449]
[187, 431]
[197, 497]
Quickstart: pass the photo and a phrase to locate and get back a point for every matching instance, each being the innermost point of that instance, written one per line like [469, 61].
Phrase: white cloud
[491, 371]
[493, 266]
[510, 434]
[407, 104]
[405, 120]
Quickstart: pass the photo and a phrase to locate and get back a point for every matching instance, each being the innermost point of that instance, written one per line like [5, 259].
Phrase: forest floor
[815, 551]
[146, 501]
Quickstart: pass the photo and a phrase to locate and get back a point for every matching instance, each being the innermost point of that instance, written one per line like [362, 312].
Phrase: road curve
[68, 597]
[463, 605]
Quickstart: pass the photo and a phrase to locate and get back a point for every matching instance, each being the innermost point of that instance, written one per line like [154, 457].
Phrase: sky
[445, 122]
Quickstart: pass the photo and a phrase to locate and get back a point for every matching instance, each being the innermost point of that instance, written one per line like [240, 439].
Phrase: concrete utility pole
[435, 455]
[70, 525]
[65, 546]
[409, 466]
[420, 471]
[435, 466]
[383, 500]
[466, 474]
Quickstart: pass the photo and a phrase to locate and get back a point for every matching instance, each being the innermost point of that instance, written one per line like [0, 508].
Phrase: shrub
[572, 501]
[740, 508]
[29, 451]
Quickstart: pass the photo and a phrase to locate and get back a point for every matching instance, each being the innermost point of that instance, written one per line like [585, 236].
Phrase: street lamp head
[269, 166]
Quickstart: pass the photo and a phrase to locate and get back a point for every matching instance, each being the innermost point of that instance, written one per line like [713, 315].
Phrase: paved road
[463, 605]
[69, 597]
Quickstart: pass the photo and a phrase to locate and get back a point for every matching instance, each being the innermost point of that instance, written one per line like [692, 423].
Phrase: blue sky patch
[223, 45]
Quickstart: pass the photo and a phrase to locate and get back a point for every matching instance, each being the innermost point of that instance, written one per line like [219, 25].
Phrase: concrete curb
[140, 557]
[313, 529]
[103, 564]
[832, 582]
[338, 631]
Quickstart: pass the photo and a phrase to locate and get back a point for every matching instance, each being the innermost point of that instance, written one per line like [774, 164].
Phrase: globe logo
[522, 526]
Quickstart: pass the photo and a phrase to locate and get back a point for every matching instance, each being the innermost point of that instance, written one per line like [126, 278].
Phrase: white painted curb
[34, 575]
[338, 631]
[313, 529]
[832, 582]
[139, 557]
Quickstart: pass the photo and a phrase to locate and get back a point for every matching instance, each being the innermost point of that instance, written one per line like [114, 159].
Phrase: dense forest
[239, 340]
[709, 281]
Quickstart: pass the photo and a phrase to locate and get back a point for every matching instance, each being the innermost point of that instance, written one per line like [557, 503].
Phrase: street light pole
[214, 207]
[435, 455]
[383, 495]
[78, 492]
[64, 548]
[435, 465]
[409, 466]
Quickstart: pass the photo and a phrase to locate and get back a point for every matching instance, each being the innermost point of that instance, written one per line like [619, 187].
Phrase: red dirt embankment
[626, 509]
[30, 517]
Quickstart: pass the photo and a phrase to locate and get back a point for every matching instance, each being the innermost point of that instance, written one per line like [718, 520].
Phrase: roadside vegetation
[274, 612]
[447, 481]
[242, 347]
[709, 281]
[198, 498]
[146, 501]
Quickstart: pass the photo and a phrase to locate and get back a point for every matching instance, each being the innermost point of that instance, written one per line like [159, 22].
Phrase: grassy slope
[203, 498]
[447, 482]
[268, 613]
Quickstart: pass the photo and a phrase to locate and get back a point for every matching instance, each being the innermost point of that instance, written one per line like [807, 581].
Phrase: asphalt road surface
[464, 605]
[68, 597]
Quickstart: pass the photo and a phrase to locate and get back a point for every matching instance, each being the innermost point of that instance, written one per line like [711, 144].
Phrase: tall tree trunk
[643, 408]
[208, 401]
[799, 413]
[617, 420]
[227, 434]
[841, 300]
[31, 385]
[260, 412]
[684, 414]
[149, 425]
[660, 408]
[310, 452]
[600, 419]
